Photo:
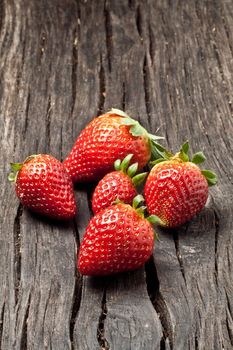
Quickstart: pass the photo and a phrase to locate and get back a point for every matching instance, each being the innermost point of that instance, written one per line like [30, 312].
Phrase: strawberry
[43, 185]
[176, 189]
[117, 239]
[108, 137]
[119, 184]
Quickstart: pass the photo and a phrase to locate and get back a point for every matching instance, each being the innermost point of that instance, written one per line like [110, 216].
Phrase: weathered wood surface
[169, 64]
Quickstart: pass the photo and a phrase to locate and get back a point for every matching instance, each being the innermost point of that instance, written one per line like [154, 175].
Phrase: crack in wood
[108, 29]
[123, 96]
[2, 14]
[102, 88]
[48, 121]
[196, 341]
[22, 37]
[26, 115]
[78, 11]
[75, 305]
[1, 323]
[151, 44]
[131, 4]
[17, 251]
[74, 68]
[156, 298]
[76, 233]
[178, 253]
[139, 21]
[23, 343]
[104, 345]
[77, 289]
[146, 85]
[216, 222]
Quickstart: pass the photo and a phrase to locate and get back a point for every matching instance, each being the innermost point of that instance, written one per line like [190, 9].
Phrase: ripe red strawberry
[176, 189]
[117, 239]
[108, 137]
[120, 184]
[43, 185]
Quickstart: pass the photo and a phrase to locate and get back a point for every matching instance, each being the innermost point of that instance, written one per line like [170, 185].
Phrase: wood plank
[39, 275]
[191, 79]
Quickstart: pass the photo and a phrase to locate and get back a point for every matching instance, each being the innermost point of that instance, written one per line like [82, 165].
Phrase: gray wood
[168, 64]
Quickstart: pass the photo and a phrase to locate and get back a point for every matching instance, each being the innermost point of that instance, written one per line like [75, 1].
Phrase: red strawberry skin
[114, 185]
[175, 191]
[44, 186]
[104, 140]
[117, 239]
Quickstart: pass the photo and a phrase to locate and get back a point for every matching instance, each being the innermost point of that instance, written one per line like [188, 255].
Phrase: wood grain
[168, 64]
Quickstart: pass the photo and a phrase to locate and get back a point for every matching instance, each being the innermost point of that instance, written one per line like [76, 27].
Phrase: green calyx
[210, 176]
[140, 209]
[152, 219]
[136, 129]
[16, 167]
[161, 155]
[130, 170]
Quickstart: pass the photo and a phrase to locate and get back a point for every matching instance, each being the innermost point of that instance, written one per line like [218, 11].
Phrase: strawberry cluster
[112, 149]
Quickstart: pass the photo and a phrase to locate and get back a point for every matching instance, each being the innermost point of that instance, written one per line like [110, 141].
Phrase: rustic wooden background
[169, 64]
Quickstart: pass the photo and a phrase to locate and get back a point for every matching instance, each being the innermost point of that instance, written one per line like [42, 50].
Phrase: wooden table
[169, 64]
